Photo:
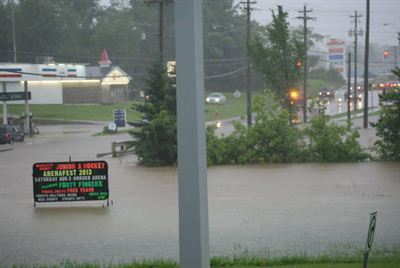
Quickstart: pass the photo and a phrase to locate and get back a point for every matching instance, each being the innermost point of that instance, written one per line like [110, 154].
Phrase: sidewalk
[6, 147]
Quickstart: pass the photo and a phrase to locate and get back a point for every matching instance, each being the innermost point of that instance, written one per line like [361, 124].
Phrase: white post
[27, 119]
[193, 200]
[4, 105]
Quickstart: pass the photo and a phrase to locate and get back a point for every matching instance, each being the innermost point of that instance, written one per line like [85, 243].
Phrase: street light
[394, 26]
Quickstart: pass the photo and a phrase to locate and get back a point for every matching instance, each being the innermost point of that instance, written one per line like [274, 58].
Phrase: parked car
[17, 133]
[217, 98]
[5, 136]
[9, 134]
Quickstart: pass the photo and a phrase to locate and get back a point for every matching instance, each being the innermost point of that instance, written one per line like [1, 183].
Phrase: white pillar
[4, 104]
[193, 200]
[27, 119]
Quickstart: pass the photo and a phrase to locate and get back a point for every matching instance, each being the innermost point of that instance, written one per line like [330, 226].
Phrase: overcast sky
[333, 17]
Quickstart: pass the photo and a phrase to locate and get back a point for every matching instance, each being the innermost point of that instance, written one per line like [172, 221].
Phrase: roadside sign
[14, 96]
[70, 181]
[371, 229]
[120, 117]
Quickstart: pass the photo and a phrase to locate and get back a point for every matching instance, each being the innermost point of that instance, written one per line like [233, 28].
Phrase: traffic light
[385, 54]
[293, 96]
[298, 64]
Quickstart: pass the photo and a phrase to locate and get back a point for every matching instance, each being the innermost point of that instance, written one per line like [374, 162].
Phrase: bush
[328, 142]
[272, 139]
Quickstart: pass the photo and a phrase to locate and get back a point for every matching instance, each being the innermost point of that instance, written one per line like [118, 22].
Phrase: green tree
[224, 38]
[388, 125]
[275, 55]
[77, 20]
[155, 141]
[331, 76]
[6, 45]
[38, 27]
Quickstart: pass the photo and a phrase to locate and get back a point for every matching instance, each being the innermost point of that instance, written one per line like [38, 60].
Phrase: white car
[217, 98]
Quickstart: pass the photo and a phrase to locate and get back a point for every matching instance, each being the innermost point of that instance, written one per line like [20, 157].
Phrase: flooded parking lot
[281, 209]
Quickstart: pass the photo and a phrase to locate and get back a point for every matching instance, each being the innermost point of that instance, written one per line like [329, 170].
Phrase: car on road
[216, 98]
[340, 94]
[326, 93]
[359, 96]
[10, 134]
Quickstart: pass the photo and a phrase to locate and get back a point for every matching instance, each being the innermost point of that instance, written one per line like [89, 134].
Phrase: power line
[120, 58]
[63, 76]
[225, 74]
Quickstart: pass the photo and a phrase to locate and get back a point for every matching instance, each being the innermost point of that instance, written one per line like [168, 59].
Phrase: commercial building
[58, 83]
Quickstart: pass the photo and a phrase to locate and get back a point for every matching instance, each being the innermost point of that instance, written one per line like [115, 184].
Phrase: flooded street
[277, 209]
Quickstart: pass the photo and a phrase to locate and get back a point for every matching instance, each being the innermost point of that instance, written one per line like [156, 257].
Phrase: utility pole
[305, 18]
[248, 4]
[11, 2]
[366, 65]
[348, 86]
[356, 33]
[161, 23]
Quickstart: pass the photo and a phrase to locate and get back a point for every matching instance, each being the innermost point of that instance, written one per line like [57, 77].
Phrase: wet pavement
[272, 209]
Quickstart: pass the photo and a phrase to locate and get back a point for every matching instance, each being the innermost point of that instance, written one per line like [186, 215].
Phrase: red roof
[104, 60]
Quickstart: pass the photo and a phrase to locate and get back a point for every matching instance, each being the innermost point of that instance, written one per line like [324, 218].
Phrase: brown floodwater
[267, 209]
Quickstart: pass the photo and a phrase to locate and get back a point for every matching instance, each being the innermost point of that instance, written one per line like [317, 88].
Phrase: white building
[68, 83]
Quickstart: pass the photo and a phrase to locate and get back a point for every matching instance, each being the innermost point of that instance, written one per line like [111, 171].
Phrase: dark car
[9, 134]
[326, 94]
[359, 96]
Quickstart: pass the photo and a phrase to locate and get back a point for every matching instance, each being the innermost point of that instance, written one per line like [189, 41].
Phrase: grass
[104, 112]
[248, 261]
[233, 107]
[315, 85]
[83, 112]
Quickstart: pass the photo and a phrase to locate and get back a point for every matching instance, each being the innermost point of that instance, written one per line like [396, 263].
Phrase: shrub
[328, 142]
[388, 125]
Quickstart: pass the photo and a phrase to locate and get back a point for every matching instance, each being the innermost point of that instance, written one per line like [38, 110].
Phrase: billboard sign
[120, 117]
[70, 181]
[336, 57]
